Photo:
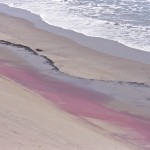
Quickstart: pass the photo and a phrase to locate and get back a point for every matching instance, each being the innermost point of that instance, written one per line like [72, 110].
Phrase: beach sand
[41, 113]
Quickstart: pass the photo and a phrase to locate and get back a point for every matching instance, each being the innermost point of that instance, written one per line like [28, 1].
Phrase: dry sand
[72, 58]
[27, 121]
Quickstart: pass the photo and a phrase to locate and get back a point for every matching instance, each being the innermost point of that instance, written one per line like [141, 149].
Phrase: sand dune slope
[29, 122]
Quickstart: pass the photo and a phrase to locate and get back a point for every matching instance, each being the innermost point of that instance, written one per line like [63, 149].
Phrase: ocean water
[125, 21]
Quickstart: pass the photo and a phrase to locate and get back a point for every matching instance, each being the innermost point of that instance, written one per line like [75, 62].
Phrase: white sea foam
[125, 21]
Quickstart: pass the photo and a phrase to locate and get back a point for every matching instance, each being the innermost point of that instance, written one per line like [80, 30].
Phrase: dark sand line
[51, 63]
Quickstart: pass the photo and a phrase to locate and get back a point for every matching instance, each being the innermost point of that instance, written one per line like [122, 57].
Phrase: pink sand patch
[77, 101]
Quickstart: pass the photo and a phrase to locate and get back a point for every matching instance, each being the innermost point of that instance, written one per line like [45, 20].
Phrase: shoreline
[74, 59]
[95, 43]
[68, 33]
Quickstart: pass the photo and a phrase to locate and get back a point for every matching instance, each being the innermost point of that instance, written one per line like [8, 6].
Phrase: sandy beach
[72, 58]
[45, 108]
